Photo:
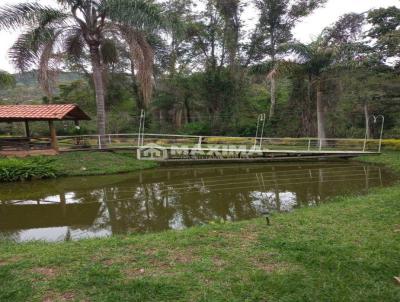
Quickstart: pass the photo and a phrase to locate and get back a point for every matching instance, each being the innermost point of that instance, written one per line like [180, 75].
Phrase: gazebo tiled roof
[14, 113]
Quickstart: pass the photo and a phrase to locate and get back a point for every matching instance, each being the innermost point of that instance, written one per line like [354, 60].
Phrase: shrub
[196, 128]
[15, 169]
[229, 140]
[391, 144]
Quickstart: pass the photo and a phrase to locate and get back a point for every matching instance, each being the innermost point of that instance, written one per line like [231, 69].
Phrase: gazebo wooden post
[53, 136]
[28, 135]
[27, 130]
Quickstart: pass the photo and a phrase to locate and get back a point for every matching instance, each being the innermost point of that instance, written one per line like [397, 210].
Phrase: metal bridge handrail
[215, 136]
[375, 120]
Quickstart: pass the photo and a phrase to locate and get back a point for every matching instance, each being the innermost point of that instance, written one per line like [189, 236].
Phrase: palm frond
[142, 54]
[31, 14]
[74, 43]
[141, 14]
[262, 68]
[21, 53]
[46, 72]
[109, 51]
[303, 51]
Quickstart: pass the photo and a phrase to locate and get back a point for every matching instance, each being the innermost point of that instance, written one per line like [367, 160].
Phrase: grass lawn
[345, 250]
[70, 164]
[388, 158]
[99, 163]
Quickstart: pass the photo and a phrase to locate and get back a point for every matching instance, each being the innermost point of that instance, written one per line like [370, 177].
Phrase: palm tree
[315, 58]
[82, 29]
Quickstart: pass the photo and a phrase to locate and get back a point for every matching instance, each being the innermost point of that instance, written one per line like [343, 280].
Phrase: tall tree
[276, 22]
[385, 31]
[316, 58]
[76, 26]
[179, 18]
[230, 11]
[215, 48]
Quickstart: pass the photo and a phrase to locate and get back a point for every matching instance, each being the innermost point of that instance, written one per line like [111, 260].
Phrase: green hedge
[391, 144]
[14, 169]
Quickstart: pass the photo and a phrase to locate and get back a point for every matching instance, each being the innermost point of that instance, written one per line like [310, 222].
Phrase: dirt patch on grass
[272, 267]
[57, 297]
[246, 238]
[268, 264]
[161, 265]
[133, 273]
[8, 261]
[116, 260]
[47, 272]
[181, 256]
[218, 262]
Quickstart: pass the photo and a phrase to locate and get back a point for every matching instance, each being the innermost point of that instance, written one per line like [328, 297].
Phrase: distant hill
[28, 90]
[30, 78]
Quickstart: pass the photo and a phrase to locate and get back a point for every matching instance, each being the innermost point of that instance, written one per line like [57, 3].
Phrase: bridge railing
[131, 141]
[97, 142]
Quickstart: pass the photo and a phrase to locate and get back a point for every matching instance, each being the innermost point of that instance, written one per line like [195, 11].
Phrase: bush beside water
[391, 144]
[15, 169]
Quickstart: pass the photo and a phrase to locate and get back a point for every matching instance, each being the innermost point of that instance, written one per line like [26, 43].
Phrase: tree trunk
[272, 77]
[178, 118]
[366, 116]
[139, 100]
[161, 118]
[320, 116]
[173, 58]
[310, 127]
[188, 113]
[99, 90]
[273, 97]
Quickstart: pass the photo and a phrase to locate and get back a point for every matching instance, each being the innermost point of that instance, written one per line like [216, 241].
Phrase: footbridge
[190, 148]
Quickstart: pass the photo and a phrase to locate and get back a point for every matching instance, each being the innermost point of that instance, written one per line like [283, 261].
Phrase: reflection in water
[173, 198]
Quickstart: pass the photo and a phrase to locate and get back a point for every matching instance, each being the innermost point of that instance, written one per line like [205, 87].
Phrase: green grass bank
[344, 250]
[70, 164]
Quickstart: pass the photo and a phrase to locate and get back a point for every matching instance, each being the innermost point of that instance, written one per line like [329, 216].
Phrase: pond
[174, 197]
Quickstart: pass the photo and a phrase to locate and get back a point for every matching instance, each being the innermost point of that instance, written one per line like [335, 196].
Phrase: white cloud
[310, 27]
[323, 17]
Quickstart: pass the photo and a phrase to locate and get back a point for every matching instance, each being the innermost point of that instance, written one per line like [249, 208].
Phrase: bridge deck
[204, 154]
[187, 148]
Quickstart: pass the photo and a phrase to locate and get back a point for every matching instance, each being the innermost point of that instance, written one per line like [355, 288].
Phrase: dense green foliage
[70, 164]
[6, 80]
[344, 250]
[26, 169]
[206, 73]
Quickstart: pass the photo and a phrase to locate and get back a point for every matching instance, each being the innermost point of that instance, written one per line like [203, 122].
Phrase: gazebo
[22, 146]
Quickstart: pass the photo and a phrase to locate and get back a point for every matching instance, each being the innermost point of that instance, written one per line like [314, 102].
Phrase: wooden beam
[53, 136]
[27, 130]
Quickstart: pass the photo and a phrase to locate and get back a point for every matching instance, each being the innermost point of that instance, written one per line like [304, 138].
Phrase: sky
[306, 30]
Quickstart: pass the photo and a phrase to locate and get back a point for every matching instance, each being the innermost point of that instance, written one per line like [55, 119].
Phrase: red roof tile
[41, 112]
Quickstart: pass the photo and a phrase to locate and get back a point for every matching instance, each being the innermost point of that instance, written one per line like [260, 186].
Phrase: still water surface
[173, 198]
